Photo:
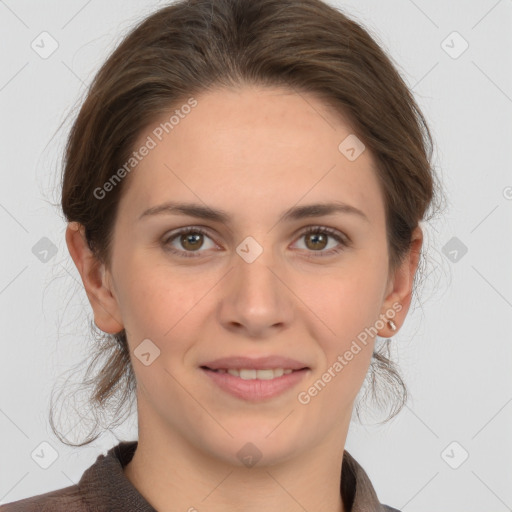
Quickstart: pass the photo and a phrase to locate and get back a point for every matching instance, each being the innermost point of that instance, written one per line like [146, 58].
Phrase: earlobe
[94, 278]
[399, 298]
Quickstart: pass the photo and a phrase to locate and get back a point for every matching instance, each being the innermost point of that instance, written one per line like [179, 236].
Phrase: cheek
[156, 300]
[346, 346]
[349, 307]
[350, 300]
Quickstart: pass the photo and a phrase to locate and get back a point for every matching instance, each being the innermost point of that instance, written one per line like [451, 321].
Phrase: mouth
[255, 385]
[255, 374]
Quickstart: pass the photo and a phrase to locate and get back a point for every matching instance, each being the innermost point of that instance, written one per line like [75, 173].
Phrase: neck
[173, 474]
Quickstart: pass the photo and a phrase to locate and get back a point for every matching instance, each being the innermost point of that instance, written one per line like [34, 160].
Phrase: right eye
[190, 239]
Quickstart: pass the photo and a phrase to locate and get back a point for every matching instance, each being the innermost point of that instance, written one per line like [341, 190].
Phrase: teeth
[250, 374]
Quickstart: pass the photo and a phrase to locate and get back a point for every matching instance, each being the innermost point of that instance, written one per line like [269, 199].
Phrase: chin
[260, 444]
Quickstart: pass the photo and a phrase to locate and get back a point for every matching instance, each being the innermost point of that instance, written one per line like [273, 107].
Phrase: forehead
[253, 149]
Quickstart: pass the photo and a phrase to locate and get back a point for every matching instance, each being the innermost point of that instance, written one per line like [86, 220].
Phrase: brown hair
[191, 47]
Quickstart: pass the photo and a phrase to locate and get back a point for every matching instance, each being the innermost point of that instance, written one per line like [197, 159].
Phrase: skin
[253, 152]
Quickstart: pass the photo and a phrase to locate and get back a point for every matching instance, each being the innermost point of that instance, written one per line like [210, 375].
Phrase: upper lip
[260, 363]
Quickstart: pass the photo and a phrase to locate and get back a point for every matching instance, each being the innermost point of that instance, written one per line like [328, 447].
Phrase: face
[254, 283]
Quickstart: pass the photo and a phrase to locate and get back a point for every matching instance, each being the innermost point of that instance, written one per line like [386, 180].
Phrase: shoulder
[356, 488]
[68, 499]
[103, 486]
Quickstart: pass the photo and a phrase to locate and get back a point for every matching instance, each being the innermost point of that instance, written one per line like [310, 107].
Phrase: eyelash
[343, 240]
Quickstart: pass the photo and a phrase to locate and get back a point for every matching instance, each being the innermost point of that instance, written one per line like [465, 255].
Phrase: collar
[118, 493]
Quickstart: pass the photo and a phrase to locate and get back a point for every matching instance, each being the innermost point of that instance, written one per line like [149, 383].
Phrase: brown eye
[316, 241]
[187, 242]
[191, 241]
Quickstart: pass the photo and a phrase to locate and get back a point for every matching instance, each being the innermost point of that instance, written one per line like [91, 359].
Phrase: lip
[255, 390]
[259, 363]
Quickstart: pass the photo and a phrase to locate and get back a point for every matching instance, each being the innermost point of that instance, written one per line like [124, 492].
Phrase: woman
[243, 185]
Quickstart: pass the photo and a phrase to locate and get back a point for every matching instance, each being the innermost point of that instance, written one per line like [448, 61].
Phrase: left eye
[192, 240]
[317, 238]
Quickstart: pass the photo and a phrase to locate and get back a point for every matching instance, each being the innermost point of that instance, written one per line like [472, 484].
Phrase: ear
[95, 278]
[400, 286]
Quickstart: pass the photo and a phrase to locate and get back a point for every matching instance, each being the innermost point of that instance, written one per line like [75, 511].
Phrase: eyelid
[343, 240]
[331, 231]
[170, 236]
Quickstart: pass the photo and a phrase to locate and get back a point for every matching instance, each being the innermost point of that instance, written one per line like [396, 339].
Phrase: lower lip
[255, 389]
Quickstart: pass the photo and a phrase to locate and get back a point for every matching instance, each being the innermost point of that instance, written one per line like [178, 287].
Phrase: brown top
[105, 488]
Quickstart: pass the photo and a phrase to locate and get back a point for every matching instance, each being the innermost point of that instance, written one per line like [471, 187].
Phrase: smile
[255, 385]
[250, 373]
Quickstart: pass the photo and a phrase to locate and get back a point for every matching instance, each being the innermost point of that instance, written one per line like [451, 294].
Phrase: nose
[256, 301]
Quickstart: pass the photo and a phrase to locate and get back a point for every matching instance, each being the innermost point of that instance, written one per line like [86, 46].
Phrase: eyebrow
[218, 215]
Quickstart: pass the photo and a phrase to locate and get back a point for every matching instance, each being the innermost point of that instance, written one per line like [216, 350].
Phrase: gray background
[454, 349]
